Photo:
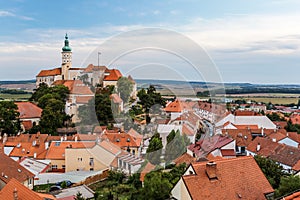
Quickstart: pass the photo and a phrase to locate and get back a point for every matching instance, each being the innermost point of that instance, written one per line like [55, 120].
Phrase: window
[29, 181]
[79, 159]
[243, 149]
[91, 169]
[91, 161]
[57, 144]
[54, 166]
[133, 152]
[63, 166]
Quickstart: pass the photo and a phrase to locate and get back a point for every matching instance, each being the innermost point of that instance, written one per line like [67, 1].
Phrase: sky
[233, 41]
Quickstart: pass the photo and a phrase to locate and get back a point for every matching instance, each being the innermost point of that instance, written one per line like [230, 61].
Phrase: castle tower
[66, 59]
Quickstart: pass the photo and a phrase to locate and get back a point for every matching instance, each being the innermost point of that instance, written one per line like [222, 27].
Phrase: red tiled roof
[246, 113]
[246, 126]
[12, 169]
[207, 145]
[236, 178]
[295, 118]
[23, 192]
[242, 137]
[187, 130]
[90, 68]
[83, 99]
[122, 139]
[227, 152]
[56, 150]
[294, 136]
[281, 124]
[114, 75]
[148, 168]
[29, 150]
[51, 72]
[27, 124]
[75, 86]
[185, 158]
[28, 110]
[294, 196]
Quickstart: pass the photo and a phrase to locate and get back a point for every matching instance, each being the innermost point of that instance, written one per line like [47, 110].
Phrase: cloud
[4, 13]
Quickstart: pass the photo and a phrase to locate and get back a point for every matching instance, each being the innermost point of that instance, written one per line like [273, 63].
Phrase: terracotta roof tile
[148, 168]
[28, 110]
[236, 178]
[294, 196]
[185, 158]
[75, 86]
[114, 75]
[242, 137]
[51, 72]
[56, 150]
[122, 139]
[12, 169]
[23, 192]
[83, 99]
[90, 68]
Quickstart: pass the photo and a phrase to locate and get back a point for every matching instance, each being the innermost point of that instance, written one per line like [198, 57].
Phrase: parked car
[68, 183]
[54, 188]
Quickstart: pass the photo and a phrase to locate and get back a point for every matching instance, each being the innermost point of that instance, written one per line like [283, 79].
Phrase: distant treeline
[16, 82]
[14, 91]
[250, 90]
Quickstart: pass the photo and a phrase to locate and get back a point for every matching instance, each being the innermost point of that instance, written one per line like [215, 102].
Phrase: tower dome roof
[66, 47]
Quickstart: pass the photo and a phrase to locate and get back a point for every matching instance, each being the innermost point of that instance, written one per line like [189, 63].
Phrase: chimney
[258, 147]
[15, 193]
[273, 139]
[46, 145]
[262, 131]
[76, 138]
[34, 155]
[211, 170]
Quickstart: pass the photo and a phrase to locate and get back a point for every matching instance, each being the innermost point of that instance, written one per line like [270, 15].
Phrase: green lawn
[15, 97]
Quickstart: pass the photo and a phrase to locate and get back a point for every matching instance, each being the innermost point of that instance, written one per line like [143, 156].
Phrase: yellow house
[96, 158]
[57, 153]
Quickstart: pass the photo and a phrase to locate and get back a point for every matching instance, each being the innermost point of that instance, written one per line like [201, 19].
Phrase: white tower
[66, 59]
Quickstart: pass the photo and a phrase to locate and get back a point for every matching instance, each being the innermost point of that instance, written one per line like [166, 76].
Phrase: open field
[273, 98]
[15, 97]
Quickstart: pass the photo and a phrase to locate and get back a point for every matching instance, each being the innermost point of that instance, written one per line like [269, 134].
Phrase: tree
[154, 149]
[103, 109]
[148, 99]
[287, 185]
[156, 186]
[134, 179]
[53, 116]
[124, 88]
[87, 113]
[39, 92]
[79, 196]
[9, 118]
[271, 170]
[176, 145]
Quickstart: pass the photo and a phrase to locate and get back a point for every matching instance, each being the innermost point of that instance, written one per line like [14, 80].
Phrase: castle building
[65, 72]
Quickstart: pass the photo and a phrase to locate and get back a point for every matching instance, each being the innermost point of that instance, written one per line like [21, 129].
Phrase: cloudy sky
[237, 40]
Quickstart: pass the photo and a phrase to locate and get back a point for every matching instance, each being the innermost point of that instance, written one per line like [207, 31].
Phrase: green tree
[148, 99]
[124, 88]
[288, 184]
[39, 92]
[156, 186]
[103, 109]
[134, 179]
[154, 149]
[53, 116]
[271, 170]
[9, 118]
[79, 196]
[87, 113]
[176, 145]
